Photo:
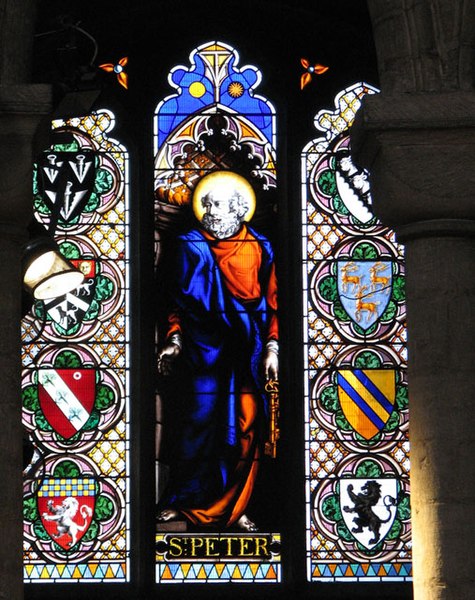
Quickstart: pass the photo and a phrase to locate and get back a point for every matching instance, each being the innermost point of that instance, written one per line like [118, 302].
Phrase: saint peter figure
[223, 326]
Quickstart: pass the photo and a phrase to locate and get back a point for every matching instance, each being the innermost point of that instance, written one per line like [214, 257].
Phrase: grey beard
[220, 228]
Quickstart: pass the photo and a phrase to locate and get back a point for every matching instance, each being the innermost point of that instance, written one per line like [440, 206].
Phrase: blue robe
[223, 342]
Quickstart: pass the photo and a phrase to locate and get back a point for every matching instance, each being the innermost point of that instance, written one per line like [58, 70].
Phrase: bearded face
[221, 217]
[221, 227]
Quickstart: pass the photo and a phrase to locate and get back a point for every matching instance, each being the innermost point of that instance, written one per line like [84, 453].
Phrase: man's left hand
[271, 365]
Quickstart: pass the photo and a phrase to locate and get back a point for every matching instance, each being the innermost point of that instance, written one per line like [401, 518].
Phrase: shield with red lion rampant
[66, 507]
[67, 398]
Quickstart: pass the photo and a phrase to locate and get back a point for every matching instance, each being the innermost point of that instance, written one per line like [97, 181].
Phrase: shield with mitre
[66, 507]
[69, 309]
[367, 398]
[364, 289]
[67, 398]
[66, 182]
[369, 507]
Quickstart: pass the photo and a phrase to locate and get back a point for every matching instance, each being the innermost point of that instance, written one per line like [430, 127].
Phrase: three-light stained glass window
[76, 355]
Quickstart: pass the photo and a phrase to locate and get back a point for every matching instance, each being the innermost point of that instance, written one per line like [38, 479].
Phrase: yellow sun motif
[197, 89]
[235, 89]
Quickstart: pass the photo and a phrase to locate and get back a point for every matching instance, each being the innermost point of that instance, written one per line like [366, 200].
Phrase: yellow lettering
[261, 544]
[174, 543]
[218, 547]
[196, 543]
[229, 541]
[244, 549]
[210, 546]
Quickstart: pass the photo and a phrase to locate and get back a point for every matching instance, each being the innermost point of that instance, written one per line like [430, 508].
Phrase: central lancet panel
[217, 328]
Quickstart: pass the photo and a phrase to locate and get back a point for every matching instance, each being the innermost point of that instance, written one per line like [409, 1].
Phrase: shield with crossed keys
[66, 182]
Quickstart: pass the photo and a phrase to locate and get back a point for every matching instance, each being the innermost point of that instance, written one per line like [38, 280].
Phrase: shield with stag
[364, 289]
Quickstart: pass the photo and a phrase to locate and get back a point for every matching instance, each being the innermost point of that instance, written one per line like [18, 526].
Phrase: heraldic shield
[367, 398]
[364, 288]
[66, 507]
[69, 310]
[67, 398]
[369, 507]
[66, 182]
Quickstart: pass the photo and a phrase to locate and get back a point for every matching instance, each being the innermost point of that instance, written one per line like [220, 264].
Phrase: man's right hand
[166, 358]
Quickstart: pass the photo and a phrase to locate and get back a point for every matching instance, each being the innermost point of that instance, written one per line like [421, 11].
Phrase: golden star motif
[235, 89]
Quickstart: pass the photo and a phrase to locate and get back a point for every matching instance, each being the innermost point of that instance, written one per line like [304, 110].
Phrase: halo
[223, 182]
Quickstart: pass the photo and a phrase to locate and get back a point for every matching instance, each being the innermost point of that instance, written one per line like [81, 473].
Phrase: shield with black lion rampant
[368, 507]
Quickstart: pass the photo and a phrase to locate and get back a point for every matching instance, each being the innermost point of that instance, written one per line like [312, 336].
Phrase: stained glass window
[357, 447]
[214, 132]
[215, 168]
[75, 385]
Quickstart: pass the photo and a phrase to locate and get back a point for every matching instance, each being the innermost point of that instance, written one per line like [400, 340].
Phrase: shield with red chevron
[67, 398]
[367, 398]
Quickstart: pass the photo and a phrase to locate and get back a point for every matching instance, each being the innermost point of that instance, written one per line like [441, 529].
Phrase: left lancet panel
[75, 353]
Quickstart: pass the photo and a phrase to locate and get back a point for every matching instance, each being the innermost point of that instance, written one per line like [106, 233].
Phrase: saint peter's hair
[237, 203]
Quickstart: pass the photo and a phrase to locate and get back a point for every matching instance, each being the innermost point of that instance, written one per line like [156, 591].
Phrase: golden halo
[223, 183]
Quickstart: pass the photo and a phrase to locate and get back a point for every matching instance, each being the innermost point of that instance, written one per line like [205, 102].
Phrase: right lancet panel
[356, 401]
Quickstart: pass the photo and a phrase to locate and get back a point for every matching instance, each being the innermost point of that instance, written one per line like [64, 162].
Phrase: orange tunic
[239, 260]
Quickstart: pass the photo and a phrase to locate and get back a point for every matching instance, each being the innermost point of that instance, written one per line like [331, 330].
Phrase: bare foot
[168, 514]
[246, 524]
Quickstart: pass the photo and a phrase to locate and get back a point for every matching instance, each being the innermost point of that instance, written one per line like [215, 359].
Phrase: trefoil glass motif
[75, 383]
[356, 402]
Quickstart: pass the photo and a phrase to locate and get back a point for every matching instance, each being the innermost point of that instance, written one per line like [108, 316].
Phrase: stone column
[420, 151]
[21, 109]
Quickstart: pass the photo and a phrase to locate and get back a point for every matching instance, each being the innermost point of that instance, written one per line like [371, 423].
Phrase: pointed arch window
[76, 365]
[76, 350]
[356, 402]
[216, 128]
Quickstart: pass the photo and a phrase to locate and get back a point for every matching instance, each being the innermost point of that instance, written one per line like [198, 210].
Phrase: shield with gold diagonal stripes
[367, 398]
